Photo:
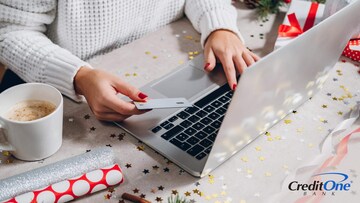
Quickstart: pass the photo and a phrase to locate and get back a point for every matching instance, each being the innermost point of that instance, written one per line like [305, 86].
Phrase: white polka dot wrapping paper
[352, 50]
[73, 188]
[54, 173]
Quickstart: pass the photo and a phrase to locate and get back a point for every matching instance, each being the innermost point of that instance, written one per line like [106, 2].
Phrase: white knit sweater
[47, 41]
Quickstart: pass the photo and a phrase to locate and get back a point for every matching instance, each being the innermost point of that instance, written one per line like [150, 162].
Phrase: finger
[229, 69]
[255, 57]
[129, 90]
[210, 59]
[122, 107]
[249, 60]
[239, 63]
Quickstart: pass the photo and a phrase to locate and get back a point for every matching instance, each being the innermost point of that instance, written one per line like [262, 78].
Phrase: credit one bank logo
[327, 186]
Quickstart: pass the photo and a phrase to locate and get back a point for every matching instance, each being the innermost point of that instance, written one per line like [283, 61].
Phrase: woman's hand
[100, 90]
[226, 46]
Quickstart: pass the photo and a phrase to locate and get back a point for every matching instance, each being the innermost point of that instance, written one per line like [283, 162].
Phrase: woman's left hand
[227, 47]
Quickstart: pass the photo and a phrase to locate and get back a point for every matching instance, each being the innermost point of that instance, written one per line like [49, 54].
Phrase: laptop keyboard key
[193, 118]
[191, 110]
[209, 129]
[192, 140]
[216, 104]
[224, 99]
[201, 135]
[205, 121]
[182, 137]
[156, 129]
[164, 123]
[212, 136]
[172, 119]
[229, 94]
[212, 96]
[195, 150]
[214, 116]
[168, 126]
[182, 145]
[201, 113]
[198, 126]
[221, 111]
[171, 133]
[183, 115]
[206, 143]
[190, 131]
[208, 150]
[221, 118]
[185, 124]
[226, 105]
[216, 124]
[200, 156]
[209, 109]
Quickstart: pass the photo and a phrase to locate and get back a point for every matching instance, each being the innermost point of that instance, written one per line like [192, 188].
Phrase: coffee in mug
[30, 110]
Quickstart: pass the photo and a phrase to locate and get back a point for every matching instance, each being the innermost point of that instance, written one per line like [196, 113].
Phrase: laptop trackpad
[185, 83]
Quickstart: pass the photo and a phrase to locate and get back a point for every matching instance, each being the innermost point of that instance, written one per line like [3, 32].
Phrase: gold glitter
[287, 121]
[261, 158]
[268, 174]
[258, 148]
[245, 159]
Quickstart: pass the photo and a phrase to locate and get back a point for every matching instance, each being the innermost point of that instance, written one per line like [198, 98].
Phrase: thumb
[209, 59]
[128, 90]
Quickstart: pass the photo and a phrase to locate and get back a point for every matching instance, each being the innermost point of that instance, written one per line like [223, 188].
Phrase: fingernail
[234, 87]
[142, 95]
[206, 65]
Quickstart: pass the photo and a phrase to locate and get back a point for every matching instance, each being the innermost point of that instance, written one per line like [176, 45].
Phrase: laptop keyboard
[194, 129]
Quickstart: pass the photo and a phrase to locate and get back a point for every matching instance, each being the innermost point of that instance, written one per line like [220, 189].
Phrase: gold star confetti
[258, 148]
[340, 113]
[267, 133]
[147, 52]
[270, 139]
[208, 197]
[223, 193]
[287, 121]
[268, 174]
[249, 171]
[277, 137]
[188, 37]
[196, 52]
[190, 53]
[244, 159]
[242, 201]
[181, 62]
[191, 57]
[196, 191]
[334, 98]
[154, 57]
[140, 148]
[285, 166]
[134, 74]
[187, 193]
[310, 145]
[214, 195]
[261, 158]
[324, 106]
[174, 192]
[6, 153]
[127, 74]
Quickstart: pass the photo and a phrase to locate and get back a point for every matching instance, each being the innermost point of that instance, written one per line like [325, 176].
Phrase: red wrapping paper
[68, 190]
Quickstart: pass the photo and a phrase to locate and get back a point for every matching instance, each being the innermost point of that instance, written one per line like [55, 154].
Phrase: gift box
[301, 16]
[352, 50]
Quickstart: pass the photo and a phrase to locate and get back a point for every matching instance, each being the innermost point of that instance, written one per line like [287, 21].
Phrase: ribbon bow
[294, 28]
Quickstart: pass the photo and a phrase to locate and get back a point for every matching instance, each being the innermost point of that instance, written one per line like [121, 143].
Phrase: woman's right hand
[100, 90]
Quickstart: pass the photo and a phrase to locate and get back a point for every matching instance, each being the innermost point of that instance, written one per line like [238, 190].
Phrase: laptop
[222, 122]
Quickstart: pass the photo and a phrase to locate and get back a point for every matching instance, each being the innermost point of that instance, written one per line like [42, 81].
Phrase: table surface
[252, 175]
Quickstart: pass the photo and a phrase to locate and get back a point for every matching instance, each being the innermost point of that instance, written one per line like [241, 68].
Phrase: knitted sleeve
[210, 15]
[26, 50]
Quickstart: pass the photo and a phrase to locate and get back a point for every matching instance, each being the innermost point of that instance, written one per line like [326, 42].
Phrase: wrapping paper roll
[75, 187]
[56, 172]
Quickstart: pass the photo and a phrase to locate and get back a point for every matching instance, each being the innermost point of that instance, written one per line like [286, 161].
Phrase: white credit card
[163, 103]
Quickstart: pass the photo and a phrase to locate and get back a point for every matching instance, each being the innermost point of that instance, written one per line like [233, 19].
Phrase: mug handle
[5, 146]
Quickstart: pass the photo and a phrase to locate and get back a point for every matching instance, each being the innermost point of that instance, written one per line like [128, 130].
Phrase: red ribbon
[294, 28]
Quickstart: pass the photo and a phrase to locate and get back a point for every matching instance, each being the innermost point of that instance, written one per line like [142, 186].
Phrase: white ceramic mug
[36, 139]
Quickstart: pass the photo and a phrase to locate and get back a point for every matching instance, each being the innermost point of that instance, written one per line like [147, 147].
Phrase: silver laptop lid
[282, 81]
